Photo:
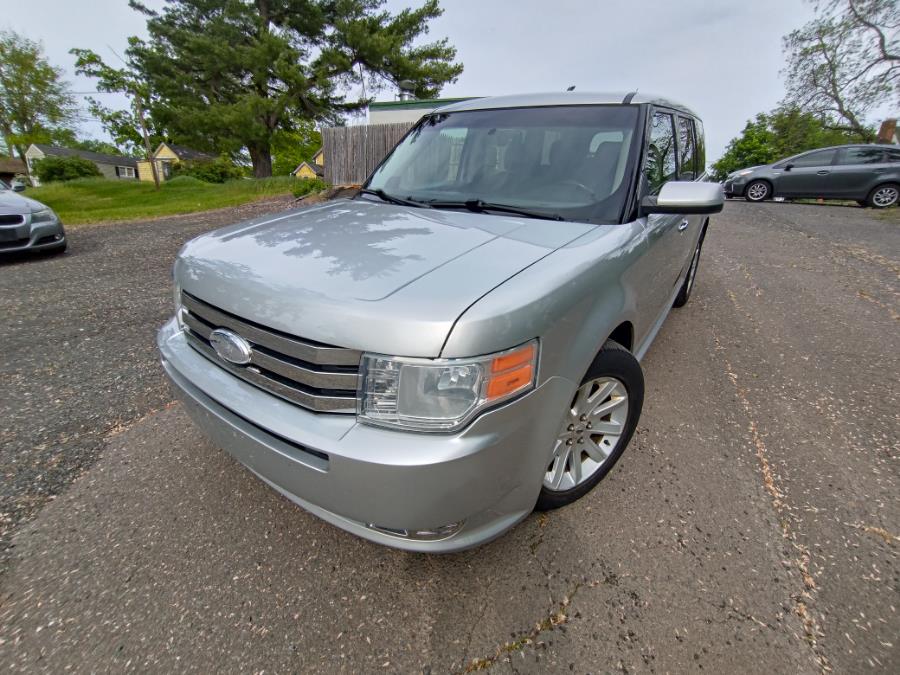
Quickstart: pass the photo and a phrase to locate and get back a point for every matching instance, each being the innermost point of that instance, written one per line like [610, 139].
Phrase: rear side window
[861, 156]
[892, 156]
[687, 150]
[701, 147]
[660, 164]
[819, 158]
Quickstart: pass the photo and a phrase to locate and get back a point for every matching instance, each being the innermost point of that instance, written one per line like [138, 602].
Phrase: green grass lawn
[97, 200]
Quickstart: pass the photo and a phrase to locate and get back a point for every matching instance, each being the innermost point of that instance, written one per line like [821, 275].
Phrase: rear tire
[609, 399]
[884, 196]
[757, 191]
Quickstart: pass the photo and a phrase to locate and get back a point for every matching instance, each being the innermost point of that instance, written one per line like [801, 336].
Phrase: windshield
[568, 161]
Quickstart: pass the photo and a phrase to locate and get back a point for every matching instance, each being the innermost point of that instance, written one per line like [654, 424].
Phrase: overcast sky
[721, 59]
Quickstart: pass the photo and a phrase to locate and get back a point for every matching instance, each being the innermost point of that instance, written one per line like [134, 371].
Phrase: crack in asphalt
[811, 625]
[554, 619]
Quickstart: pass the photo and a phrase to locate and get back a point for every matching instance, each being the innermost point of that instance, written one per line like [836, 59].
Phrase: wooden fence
[352, 153]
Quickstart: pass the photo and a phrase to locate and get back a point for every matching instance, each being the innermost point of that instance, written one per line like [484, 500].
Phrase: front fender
[572, 300]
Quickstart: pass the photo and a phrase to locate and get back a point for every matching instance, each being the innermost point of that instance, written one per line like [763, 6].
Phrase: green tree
[127, 128]
[845, 61]
[778, 134]
[289, 148]
[35, 102]
[52, 169]
[97, 146]
[229, 74]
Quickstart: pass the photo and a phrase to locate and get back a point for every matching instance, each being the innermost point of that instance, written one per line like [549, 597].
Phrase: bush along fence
[352, 153]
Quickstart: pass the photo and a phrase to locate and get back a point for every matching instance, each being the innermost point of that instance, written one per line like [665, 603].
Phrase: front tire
[596, 428]
[883, 196]
[757, 191]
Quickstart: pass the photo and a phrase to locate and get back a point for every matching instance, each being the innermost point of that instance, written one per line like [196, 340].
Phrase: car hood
[734, 174]
[10, 202]
[365, 275]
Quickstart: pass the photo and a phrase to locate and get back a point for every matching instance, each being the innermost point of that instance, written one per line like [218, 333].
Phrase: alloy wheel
[757, 191]
[886, 196]
[589, 434]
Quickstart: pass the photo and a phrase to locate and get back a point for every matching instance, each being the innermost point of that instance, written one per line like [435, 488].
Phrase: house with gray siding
[117, 167]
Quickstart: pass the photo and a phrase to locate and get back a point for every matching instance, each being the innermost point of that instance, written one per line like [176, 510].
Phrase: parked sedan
[28, 225]
[868, 174]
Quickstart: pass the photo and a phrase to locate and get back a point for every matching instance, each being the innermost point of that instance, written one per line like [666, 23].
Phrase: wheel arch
[623, 334]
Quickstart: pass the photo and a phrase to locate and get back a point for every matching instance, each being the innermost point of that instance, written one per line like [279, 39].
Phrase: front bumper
[355, 475]
[32, 237]
[734, 187]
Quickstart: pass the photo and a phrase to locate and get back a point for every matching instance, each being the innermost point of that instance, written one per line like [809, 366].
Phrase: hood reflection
[349, 238]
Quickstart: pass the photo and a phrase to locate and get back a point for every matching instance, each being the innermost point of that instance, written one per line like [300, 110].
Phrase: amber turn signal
[509, 382]
[513, 359]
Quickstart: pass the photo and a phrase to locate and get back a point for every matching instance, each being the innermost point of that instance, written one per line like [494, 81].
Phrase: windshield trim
[635, 152]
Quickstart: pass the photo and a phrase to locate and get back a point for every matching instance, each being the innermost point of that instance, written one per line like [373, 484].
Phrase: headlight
[43, 216]
[745, 172]
[441, 394]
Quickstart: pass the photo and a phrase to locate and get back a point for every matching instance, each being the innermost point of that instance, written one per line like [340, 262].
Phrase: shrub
[305, 186]
[52, 169]
[215, 171]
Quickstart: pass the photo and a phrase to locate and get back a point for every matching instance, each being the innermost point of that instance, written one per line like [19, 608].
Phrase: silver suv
[424, 364]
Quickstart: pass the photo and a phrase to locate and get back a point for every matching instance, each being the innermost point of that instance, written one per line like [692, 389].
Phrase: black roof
[96, 157]
[185, 153]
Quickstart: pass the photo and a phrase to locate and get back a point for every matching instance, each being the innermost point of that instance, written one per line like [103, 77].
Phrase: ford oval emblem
[230, 346]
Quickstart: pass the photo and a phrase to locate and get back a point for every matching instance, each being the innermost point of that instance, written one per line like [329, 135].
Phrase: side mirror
[686, 198]
[788, 167]
[18, 187]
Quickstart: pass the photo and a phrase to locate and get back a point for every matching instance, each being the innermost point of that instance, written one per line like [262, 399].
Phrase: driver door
[806, 175]
[663, 266]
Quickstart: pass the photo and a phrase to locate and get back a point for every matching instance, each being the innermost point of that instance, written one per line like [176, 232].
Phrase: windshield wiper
[384, 196]
[480, 206]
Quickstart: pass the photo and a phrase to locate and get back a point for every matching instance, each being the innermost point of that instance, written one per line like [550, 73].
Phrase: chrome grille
[319, 377]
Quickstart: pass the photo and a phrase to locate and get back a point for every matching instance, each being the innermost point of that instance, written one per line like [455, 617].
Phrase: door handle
[822, 173]
[682, 226]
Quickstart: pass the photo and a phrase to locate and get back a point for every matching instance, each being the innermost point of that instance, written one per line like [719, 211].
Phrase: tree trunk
[21, 150]
[261, 156]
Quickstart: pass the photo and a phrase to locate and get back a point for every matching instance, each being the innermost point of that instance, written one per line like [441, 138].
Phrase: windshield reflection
[573, 161]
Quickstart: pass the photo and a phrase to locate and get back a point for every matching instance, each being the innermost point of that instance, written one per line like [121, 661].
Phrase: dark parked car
[868, 174]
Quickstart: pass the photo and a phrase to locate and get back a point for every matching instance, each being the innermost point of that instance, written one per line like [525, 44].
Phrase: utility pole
[139, 110]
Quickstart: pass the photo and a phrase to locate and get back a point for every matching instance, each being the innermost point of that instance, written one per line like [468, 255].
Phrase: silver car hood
[364, 275]
[12, 203]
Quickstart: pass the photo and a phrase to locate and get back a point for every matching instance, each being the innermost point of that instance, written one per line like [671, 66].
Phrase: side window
[660, 162]
[819, 158]
[892, 156]
[701, 148]
[687, 150]
[861, 156]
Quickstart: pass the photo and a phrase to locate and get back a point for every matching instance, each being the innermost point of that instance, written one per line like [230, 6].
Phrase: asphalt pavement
[752, 525]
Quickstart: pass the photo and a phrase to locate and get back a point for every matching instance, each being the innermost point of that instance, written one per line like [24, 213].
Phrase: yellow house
[316, 169]
[166, 156]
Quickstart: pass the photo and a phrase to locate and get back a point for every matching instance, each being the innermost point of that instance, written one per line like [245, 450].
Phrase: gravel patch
[78, 359]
